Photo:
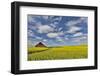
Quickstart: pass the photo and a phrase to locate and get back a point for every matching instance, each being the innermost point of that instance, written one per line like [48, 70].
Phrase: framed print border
[15, 37]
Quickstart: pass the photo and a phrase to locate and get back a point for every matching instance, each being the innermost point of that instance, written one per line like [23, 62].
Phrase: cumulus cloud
[59, 39]
[84, 19]
[73, 29]
[39, 38]
[45, 29]
[55, 34]
[75, 22]
[52, 35]
[66, 38]
[31, 19]
[72, 25]
[81, 38]
[45, 17]
[60, 29]
[61, 33]
[76, 40]
[78, 34]
[53, 25]
[57, 19]
[30, 33]
[44, 40]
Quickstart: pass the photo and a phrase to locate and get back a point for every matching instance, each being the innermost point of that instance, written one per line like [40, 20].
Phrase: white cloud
[38, 37]
[45, 29]
[66, 38]
[59, 39]
[30, 33]
[52, 35]
[52, 25]
[73, 29]
[84, 37]
[31, 19]
[80, 38]
[60, 29]
[72, 25]
[57, 19]
[78, 34]
[55, 23]
[61, 33]
[56, 29]
[55, 34]
[44, 40]
[76, 40]
[34, 26]
[45, 17]
[84, 19]
[75, 22]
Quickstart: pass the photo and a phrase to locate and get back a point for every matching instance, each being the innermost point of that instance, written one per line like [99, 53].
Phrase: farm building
[40, 44]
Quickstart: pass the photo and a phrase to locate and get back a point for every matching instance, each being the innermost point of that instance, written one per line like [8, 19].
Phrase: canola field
[58, 53]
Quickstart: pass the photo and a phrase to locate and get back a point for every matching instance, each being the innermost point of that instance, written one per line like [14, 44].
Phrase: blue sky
[57, 30]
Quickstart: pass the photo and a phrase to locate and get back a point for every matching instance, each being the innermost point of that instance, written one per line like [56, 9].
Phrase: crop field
[60, 52]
